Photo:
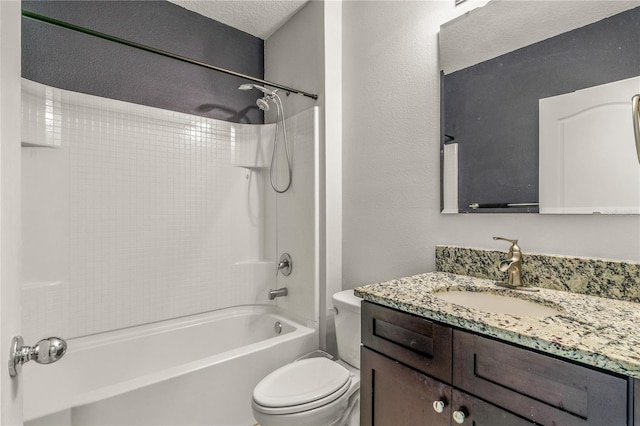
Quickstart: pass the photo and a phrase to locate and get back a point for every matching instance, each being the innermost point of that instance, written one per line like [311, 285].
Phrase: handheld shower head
[263, 104]
[249, 86]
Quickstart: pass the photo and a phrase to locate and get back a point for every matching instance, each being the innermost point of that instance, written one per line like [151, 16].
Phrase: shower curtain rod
[118, 40]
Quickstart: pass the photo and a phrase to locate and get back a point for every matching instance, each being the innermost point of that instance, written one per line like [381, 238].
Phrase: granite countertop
[596, 331]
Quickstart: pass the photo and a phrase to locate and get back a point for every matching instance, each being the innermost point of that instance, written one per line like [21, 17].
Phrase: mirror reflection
[498, 63]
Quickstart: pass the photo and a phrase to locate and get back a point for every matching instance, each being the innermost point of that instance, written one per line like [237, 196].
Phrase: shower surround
[135, 214]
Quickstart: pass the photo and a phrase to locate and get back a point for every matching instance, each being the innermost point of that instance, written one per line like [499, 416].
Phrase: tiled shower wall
[134, 214]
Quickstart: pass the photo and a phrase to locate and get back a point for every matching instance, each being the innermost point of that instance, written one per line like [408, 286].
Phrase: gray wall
[492, 107]
[69, 60]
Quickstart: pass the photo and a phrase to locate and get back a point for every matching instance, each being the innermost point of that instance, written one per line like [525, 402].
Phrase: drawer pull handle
[460, 415]
[438, 406]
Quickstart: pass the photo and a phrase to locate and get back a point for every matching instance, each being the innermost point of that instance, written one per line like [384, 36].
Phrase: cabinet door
[395, 395]
[480, 413]
[535, 386]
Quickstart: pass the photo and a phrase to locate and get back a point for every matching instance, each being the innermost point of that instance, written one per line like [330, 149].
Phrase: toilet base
[351, 416]
[345, 414]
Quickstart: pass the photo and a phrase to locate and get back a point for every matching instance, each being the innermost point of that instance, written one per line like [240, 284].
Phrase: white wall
[333, 160]
[10, 221]
[306, 53]
[291, 222]
[391, 177]
[294, 56]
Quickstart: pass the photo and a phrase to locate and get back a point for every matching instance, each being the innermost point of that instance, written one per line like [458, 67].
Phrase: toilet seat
[301, 386]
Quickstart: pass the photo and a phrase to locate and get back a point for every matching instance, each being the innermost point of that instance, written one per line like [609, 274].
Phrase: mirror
[497, 63]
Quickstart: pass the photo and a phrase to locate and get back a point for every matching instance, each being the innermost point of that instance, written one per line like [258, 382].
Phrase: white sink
[495, 303]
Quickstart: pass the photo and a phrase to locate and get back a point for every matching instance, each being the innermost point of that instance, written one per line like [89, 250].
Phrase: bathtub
[189, 371]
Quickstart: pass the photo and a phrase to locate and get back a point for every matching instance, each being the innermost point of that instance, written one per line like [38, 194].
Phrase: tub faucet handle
[285, 265]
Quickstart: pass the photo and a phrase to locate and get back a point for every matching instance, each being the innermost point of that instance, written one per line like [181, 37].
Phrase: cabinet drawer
[537, 387]
[393, 394]
[412, 340]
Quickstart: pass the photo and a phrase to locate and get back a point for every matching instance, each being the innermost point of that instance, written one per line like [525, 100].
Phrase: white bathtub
[196, 370]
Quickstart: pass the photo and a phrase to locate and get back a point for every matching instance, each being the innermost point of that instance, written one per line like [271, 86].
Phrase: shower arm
[69, 26]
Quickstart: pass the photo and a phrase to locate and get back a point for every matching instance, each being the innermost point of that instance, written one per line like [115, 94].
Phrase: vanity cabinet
[416, 371]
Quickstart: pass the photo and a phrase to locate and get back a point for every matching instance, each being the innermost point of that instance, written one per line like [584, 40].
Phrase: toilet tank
[347, 320]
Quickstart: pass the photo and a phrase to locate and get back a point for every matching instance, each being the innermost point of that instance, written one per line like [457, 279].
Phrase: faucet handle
[506, 239]
[514, 244]
[285, 264]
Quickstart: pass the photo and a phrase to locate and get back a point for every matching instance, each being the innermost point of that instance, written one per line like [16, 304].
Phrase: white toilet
[317, 391]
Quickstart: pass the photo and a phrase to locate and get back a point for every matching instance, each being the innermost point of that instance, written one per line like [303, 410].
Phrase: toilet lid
[301, 382]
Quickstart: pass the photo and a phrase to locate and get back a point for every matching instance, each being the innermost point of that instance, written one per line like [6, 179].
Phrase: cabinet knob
[438, 406]
[460, 415]
[46, 351]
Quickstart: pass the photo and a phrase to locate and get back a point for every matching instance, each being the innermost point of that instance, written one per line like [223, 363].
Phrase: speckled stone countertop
[592, 330]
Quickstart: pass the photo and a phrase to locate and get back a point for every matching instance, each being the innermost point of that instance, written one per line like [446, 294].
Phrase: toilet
[317, 391]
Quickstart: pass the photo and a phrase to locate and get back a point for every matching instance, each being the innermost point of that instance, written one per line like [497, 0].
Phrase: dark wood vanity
[415, 371]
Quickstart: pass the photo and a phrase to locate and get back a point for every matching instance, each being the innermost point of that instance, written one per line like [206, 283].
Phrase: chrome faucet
[279, 292]
[513, 267]
[285, 265]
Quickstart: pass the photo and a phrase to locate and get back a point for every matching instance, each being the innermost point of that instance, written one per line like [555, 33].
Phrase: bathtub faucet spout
[279, 292]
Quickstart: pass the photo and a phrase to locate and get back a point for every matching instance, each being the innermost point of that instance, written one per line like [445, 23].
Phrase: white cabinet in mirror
[588, 159]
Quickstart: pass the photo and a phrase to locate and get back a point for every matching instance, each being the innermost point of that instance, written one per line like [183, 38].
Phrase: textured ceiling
[260, 18]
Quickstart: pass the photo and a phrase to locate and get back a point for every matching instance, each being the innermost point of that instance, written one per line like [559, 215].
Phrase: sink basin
[498, 304]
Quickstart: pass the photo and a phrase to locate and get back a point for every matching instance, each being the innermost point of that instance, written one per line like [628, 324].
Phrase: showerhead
[249, 86]
[263, 104]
